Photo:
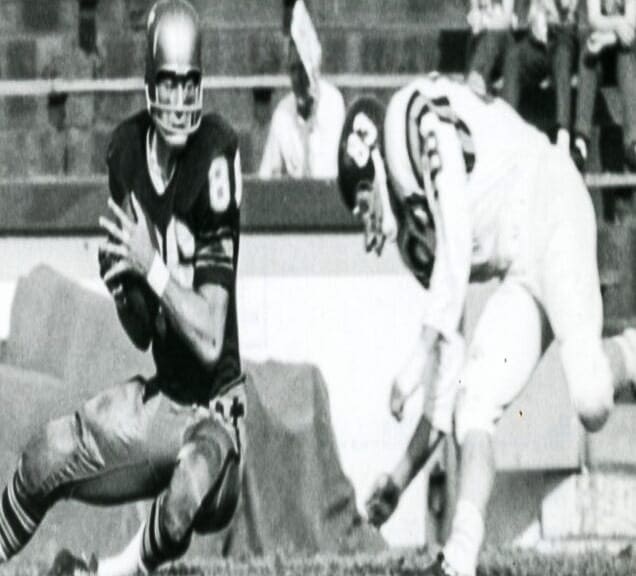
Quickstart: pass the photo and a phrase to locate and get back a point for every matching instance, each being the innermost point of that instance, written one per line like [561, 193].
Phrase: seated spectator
[548, 50]
[612, 26]
[491, 22]
[306, 125]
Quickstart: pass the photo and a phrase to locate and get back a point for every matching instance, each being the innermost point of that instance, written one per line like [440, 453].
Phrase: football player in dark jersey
[170, 263]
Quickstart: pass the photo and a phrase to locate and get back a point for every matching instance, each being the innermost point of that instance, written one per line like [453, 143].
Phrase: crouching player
[170, 263]
[471, 192]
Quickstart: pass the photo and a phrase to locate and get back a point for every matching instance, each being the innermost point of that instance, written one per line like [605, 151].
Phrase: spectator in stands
[303, 137]
[548, 50]
[491, 22]
[612, 26]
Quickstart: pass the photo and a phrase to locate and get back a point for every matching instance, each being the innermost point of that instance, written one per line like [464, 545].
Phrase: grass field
[494, 563]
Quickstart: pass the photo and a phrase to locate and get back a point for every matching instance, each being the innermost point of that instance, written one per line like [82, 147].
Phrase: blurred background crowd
[550, 59]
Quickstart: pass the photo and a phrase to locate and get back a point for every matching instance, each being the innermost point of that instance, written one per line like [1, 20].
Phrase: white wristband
[158, 276]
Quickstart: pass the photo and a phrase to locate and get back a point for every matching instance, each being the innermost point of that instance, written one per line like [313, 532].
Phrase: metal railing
[46, 87]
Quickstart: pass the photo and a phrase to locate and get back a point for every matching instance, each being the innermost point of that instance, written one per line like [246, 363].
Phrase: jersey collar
[154, 170]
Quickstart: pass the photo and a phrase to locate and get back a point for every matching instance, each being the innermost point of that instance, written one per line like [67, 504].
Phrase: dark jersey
[196, 231]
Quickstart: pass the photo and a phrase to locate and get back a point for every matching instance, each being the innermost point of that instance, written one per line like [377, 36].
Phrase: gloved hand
[383, 500]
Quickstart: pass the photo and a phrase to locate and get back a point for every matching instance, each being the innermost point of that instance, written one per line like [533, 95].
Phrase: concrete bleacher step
[240, 36]
[78, 126]
[68, 135]
[239, 51]
[18, 16]
[71, 206]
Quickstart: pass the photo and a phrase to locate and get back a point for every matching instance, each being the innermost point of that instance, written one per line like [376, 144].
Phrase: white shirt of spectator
[305, 149]
[613, 7]
[491, 15]
[543, 13]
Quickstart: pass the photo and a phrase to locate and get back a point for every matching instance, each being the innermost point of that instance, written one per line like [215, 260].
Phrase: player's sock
[127, 562]
[20, 517]
[157, 547]
[467, 534]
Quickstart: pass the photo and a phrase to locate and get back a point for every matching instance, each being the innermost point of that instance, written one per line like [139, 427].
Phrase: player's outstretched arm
[388, 488]
[418, 370]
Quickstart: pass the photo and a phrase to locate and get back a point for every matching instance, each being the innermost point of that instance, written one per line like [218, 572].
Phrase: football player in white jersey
[471, 192]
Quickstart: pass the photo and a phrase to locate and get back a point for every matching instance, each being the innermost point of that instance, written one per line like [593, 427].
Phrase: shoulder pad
[210, 158]
[127, 148]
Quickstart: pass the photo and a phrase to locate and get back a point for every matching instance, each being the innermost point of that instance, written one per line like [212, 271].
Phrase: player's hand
[539, 27]
[499, 19]
[383, 500]
[130, 242]
[598, 40]
[625, 33]
[475, 21]
[397, 400]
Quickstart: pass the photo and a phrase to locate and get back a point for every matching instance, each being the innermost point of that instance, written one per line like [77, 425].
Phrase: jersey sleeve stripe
[200, 264]
[415, 110]
[212, 257]
[215, 235]
[418, 106]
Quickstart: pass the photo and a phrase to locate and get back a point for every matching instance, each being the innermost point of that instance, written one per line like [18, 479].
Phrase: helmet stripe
[417, 108]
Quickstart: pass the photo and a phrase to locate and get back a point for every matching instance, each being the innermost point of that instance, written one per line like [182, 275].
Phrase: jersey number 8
[219, 182]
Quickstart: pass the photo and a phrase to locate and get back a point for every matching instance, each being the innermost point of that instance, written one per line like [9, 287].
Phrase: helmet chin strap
[389, 223]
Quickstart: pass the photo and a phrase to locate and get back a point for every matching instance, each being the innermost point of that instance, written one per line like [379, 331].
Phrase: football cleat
[67, 564]
[174, 93]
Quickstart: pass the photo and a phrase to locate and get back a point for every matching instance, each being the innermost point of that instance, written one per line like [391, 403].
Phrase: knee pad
[477, 405]
[589, 378]
[57, 455]
[197, 495]
[218, 508]
[171, 535]
[475, 413]
[188, 489]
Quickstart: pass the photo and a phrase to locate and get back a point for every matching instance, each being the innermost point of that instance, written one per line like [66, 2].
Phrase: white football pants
[554, 285]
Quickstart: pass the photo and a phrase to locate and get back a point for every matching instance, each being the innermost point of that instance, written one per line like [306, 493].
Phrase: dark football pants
[124, 445]
[487, 52]
[590, 68]
[527, 62]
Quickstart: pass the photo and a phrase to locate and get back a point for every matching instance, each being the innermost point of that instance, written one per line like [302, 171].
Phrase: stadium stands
[98, 47]
[101, 53]
[66, 134]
